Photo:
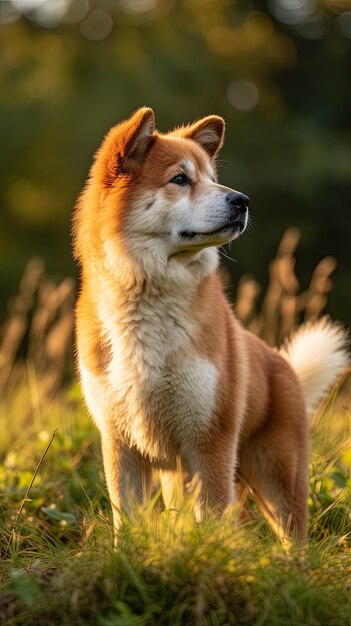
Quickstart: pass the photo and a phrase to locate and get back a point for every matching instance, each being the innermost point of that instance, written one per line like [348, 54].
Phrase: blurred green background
[279, 72]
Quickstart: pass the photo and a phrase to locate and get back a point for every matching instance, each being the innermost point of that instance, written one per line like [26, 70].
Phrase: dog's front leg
[215, 469]
[172, 485]
[128, 477]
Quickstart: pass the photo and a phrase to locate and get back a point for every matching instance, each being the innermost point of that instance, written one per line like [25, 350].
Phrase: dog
[168, 372]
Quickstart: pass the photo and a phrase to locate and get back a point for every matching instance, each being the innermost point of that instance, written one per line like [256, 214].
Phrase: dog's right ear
[126, 145]
[137, 136]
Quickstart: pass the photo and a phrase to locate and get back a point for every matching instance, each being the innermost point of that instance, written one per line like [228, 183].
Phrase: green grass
[58, 566]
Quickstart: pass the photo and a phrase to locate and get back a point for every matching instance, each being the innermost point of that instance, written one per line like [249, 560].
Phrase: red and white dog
[168, 372]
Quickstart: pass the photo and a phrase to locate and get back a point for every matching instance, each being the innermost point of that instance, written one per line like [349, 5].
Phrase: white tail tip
[319, 354]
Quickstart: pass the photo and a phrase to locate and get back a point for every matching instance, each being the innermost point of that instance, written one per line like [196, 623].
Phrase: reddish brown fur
[272, 432]
[273, 451]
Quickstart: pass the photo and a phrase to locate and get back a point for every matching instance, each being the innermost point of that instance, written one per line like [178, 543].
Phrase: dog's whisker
[223, 253]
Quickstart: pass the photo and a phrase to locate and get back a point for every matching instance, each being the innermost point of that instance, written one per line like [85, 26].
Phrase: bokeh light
[29, 5]
[48, 13]
[138, 6]
[293, 12]
[344, 24]
[315, 28]
[97, 25]
[77, 11]
[243, 95]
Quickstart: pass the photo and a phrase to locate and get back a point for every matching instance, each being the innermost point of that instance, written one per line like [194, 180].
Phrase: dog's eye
[181, 180]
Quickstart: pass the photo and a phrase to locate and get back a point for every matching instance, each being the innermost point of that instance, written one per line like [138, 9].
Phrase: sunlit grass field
[58, 566]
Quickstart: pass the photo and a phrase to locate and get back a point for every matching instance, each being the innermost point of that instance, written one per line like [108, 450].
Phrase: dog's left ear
[208, 132]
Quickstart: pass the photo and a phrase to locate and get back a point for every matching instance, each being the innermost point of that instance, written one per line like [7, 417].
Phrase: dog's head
[158, 194]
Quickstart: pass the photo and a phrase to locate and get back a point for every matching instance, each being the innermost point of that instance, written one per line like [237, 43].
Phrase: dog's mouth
[236, 225]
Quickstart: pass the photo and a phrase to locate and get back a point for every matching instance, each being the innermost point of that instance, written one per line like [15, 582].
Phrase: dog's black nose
[237, 200]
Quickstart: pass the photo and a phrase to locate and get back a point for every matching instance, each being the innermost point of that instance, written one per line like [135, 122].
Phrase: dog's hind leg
[274, 463]
[279, 484]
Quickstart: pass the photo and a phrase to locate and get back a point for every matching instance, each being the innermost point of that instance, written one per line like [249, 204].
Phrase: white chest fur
[158, 392]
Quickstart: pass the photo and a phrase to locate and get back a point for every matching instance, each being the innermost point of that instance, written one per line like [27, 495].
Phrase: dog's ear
[125, 146]
[208, 132]
[136, 136]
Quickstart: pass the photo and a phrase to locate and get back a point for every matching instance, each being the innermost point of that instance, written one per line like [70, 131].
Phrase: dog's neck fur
[134, 276]
[148, 315]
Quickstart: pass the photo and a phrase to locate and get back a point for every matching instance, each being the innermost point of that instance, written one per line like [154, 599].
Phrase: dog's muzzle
[237, 214]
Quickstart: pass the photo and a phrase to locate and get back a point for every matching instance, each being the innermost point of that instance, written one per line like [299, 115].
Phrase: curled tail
[318, 353]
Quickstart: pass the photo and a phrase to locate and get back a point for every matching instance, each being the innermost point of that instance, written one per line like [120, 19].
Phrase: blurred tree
[278, 72]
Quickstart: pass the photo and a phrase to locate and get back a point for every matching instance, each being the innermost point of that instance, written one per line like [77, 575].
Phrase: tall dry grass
[38, 329]
[284, 305]
[37, 334]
